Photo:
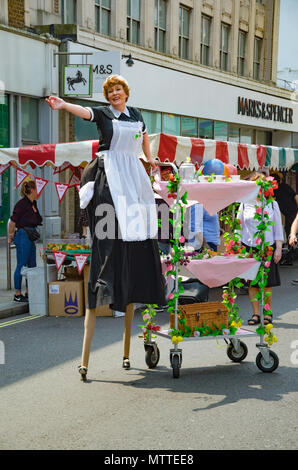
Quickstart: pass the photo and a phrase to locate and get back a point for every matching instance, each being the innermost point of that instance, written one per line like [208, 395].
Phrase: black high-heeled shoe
[126, 363]
[83, 371]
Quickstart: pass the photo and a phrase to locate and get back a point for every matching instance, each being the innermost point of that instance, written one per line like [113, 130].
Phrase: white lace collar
[117, 113]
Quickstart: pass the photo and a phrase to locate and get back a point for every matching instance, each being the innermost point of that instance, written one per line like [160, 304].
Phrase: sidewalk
[8, 307]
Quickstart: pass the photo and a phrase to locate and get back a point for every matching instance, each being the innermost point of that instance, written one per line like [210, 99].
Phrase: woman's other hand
[152, 163]
[55, 102]
[292, 239]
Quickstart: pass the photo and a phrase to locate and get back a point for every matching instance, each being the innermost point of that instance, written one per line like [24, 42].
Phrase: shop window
[220, 130]
[257, 58]
[133, 21]
[205, 39]
[68, 9]
[224, 46]
[184, 18]
[152, 121]
[246, 135]
[234, 133]
[103, 16]
[171, 124]
[189, 126]
[5, 177]
[85, 130]
[205, 129]
[160, 25]
[241, 52]
[4, 121]
[30, 119]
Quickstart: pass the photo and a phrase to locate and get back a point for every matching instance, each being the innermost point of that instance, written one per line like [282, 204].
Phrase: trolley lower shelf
[266, 360]
[240, 333]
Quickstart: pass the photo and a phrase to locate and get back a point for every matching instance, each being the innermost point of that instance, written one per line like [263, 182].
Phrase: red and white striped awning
[172, 148]
[165, 147]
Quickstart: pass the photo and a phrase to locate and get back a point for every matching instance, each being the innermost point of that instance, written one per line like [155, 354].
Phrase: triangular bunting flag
[21, 175]
[78, 186]
[4, 167]
[61, 168]
[40, 183]
[59, 258]
[74, 180]
[81, 261]
[61, 189]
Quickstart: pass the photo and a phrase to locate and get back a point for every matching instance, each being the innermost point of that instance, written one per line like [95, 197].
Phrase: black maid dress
[125, 268]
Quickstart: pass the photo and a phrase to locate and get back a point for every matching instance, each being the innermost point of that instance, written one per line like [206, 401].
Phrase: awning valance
[165, 147]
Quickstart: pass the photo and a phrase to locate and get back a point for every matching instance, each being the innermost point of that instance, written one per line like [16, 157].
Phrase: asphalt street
[215, 404]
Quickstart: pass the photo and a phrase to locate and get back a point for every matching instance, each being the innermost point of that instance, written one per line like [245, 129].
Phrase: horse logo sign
[78, 80]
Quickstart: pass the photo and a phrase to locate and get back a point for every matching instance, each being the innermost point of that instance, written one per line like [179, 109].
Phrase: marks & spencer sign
[261, 110]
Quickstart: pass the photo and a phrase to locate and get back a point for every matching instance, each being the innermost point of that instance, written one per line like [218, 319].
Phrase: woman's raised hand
[55, 102]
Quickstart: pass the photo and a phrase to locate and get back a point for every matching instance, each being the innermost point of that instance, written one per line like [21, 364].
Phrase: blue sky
[288, 35]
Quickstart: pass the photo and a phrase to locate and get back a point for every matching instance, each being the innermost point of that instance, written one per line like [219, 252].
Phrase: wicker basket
[202, 314]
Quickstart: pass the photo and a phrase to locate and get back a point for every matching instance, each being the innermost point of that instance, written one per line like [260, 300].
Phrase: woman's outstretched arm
[58, 103]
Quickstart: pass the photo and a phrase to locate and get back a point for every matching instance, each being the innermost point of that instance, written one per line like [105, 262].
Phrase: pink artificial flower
[259, 210]
[267, 264]
[171, 296]
[258, 241]
[267, 307]
[230, 244]
[146, 316]
[182, 239]
[231, 300]
[169, 267]
[225, 295]
[239, 221]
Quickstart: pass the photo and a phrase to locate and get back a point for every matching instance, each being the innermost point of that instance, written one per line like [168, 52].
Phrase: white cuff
[91, 112]
[86, 194]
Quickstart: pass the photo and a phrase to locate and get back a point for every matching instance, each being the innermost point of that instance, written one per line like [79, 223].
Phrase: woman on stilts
[117, 194]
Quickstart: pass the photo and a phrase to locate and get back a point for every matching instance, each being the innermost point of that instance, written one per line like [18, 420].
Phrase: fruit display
[67, 247]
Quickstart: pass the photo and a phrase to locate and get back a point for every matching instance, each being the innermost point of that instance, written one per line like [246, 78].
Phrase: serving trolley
[266, 359]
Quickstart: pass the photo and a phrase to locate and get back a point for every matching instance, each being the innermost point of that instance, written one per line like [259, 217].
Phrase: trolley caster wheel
[176, 367]
[269, 366]
[152, 356]
[239, 354]
[176, 361]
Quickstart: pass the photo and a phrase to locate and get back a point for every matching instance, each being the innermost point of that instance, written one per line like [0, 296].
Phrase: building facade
[202, 68]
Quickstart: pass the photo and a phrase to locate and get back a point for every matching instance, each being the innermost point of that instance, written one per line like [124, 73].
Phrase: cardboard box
[103, 311]
[66, 298]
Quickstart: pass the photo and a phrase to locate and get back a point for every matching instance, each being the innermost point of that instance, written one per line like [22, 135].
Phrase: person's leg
[129, 314]
[89, 327]
[268, 300]
[255, 319]
[23, 251]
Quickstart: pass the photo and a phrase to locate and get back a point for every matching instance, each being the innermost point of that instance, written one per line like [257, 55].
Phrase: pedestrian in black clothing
[287, 200]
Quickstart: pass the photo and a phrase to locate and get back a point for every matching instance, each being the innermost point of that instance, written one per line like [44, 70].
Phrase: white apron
[129, 183]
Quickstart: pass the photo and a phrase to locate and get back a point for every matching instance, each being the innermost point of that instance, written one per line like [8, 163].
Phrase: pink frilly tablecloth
[213, 196]
[217, 271]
